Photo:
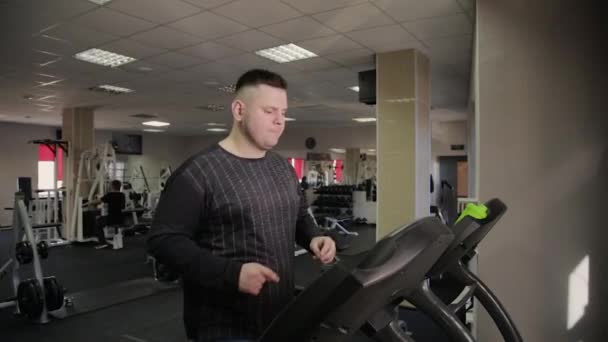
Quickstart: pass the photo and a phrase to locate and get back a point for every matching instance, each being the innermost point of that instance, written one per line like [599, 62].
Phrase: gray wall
[19, 159]
[543, 150]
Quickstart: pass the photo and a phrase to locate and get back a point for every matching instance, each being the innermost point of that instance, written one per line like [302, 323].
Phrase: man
[115, 200]
[228, 218]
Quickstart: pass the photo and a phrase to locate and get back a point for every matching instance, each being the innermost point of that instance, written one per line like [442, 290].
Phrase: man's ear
[238, 108]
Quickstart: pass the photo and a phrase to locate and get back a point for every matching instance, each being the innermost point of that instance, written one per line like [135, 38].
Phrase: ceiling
[186, 49]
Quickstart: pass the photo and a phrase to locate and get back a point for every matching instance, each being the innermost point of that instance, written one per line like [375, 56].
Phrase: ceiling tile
[252, 40]
[211, 50]
[143, 67]
[298, 29]
[351, 18]
[208, 25]
[113, 75]
[316, 6]
[283, 69]
[257, 13]
[407, 10]
[452, 25]
[220, 71]
[352, 57]
[113, 22]
[313, 64]
[79, 35]
[207, 4]
[50, 45]
[330, 44]
[131, 48]
[53, 11]
[338, 75]
[399, 45]
[167, 38]
[381, 37]
[175, 60]
[156, 11]
[248, 61]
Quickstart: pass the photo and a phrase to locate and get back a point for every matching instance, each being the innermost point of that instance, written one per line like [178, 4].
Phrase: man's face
[263, 115]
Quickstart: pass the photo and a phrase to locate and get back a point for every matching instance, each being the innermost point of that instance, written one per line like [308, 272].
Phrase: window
[46, 168]
[339, 172]
[117, 171]
[298, 165]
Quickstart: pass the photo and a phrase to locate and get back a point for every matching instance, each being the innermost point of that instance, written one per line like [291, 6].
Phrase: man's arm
[103, 199]
[306, 229]
[172, 238]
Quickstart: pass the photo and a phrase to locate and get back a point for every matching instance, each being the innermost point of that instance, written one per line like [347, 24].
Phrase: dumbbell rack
[334, 201]
[35, 296]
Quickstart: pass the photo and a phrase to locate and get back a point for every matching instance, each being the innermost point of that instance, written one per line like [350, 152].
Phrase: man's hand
[324, 248]
[253, 277]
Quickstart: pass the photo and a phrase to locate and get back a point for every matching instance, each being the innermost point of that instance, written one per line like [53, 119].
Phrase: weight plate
[29, 298]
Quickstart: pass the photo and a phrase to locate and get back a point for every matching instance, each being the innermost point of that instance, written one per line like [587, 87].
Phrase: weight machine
[38, 297]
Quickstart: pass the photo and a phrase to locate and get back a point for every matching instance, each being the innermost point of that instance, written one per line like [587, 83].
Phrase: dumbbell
[24, 252]
[43, 249]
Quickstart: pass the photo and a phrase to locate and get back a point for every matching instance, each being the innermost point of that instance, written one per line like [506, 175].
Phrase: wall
[159, 151]
[291, 143]
[446, 133]
[19, 159]
[544, 151]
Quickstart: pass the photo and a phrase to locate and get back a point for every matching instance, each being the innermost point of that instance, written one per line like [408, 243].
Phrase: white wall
[19, 159]
[446, 133]
[158, 151]
[292, 141]
[544, 151]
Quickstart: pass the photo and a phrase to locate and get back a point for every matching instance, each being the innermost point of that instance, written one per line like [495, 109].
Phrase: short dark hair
[116, 184]
[256, 77]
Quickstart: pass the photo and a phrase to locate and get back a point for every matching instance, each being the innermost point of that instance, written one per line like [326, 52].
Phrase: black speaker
[367, 87]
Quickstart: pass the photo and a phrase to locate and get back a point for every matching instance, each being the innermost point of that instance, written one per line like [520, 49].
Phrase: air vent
[144, 116]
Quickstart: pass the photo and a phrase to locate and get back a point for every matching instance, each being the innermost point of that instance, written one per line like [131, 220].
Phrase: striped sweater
[217, 212]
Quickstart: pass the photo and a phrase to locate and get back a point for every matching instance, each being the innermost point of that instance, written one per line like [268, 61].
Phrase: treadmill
[363, 294]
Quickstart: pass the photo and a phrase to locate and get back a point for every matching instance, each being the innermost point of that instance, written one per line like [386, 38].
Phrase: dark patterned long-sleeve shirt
[217, 212]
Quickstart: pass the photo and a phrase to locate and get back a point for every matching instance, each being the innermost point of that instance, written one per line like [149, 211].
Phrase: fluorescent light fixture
[355, 88]
[216, 124]
[216, 130]
[228, 88]
[155, 123]
[286, 53]
[153, 130]
[337, 150]
[100, 2]
[371, 150]
[103, 57]
[290, 119]
[115, 89]
[365, 119]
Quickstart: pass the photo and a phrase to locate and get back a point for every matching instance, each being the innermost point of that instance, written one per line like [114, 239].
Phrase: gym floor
[152, 318]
